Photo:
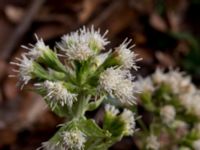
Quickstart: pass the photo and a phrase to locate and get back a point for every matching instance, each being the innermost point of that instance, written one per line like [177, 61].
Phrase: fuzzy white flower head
[95, 40]
[75, 47]
[111, 109]
[127, 57]
[179, 82]
[186, 100]
[167, 114]
[25, 69]
[57, 94]
[118, 83]
[129, 119]
[196, 144]
[191, 102]
[152, 143]
[144, 84]
[159, 76]
[82, 44]
[35, 51]
[74, 140]
[185, 85]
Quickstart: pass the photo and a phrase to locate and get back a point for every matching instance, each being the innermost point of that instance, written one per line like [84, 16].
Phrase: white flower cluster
[74, 140]
[57, 93]
[181, 85]
[177, 100]
[179, 82]
[176, 79]
[145, 84]
[118, 83]
[78, 77]
[83, 44]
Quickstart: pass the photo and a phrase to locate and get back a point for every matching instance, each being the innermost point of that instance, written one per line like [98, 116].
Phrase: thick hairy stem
[80, 106]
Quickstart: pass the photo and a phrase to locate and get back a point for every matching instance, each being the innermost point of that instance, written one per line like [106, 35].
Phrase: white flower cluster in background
[176, 99]
[180, 84]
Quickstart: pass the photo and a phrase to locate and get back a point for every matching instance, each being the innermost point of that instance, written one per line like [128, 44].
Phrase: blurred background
[166, 34]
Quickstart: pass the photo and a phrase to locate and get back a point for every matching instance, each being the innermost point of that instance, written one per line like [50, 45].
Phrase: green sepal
[56, 75]
[40, 72]
[50, 58]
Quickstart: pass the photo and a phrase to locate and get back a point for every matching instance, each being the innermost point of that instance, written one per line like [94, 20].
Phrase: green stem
[80, 106]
